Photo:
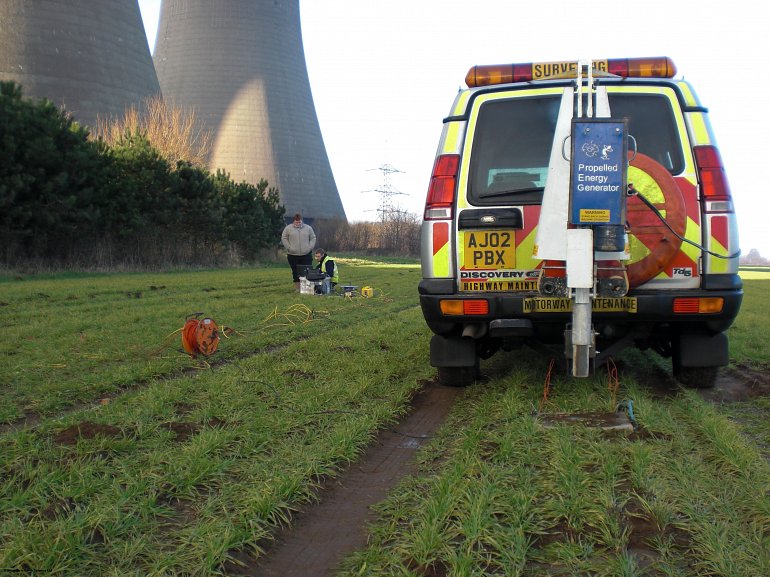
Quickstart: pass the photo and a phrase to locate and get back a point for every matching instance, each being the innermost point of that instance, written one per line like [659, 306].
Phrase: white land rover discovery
[582, 205]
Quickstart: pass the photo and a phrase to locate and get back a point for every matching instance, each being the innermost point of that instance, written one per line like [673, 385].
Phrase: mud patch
[437, 569]
[738, 383]
[59, 508]
[606, 421]
[323, 534]
[183, 409]
[302, 375]
[85, 430]
[735, 383]
[217, 423]
[641, 528]
[644, 530]
[181, 431]
[640, 434]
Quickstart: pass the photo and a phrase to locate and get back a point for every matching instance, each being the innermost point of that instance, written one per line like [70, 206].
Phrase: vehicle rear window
[651, 122]
[512, 143]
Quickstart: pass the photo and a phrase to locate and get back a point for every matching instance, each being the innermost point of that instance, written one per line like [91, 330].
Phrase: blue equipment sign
[598, 171]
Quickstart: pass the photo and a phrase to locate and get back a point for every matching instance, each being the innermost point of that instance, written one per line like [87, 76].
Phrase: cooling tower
[90, 56]
[240, 65]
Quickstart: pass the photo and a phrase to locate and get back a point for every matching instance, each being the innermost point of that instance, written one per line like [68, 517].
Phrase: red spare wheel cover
[652, 244]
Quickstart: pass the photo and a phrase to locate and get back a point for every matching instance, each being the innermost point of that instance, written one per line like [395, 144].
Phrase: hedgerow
[67, 198]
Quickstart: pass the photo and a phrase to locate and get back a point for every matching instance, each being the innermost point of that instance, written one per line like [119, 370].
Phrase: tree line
[134, 193]
[397, 233]
[69, 197]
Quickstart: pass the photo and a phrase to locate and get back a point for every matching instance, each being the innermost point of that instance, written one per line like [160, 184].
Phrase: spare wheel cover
[652, 244]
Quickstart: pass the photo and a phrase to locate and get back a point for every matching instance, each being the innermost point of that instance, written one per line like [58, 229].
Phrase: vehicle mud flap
[452, 352]
[650, 235]
[700, 349]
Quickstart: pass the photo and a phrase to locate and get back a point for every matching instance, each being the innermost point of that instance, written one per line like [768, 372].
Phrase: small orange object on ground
[200, 336]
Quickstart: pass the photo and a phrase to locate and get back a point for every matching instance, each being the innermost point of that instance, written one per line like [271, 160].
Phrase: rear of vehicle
[484, 287]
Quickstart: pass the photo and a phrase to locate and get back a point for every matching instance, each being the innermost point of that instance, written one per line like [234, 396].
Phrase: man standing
[298, 239]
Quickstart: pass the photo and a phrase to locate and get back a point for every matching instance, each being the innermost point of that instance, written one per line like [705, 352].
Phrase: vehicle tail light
[715, 190]
[464, 307]
[694, 305]
[441, 191]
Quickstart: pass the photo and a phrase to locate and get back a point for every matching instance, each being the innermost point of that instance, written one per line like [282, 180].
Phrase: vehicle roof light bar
[487, 75]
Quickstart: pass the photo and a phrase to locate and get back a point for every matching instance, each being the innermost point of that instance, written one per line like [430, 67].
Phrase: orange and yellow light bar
[653, 67]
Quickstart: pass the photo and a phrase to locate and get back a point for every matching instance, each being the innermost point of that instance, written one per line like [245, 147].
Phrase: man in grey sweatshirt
[298, 239]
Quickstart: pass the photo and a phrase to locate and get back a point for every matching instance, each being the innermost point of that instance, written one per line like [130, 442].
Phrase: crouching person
[327, 265]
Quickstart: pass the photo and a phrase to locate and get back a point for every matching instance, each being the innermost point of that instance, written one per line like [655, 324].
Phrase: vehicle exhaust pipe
[475, 331]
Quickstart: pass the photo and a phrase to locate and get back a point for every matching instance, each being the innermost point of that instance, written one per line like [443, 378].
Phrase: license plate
[489, 250]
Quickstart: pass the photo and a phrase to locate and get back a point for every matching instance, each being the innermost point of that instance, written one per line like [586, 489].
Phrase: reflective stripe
[719, 230]
[461, 103]
[452, 138]
[637, 249]
[441, 262]
[524, 249]
[440, 236]
[719, 244]
[687, 93]
[700, 129]
[718, 265]
[441, 257]
[693, 234]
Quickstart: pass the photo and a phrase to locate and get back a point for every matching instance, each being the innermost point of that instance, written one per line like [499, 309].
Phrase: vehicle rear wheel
[696, 377]
[457, 376]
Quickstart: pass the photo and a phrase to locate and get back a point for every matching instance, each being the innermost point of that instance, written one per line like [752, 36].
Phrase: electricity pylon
[387, 191]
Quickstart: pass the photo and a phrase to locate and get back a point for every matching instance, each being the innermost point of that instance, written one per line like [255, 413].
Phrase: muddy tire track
[323, 534]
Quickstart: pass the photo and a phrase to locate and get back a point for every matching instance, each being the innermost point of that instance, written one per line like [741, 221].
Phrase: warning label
[594, 215]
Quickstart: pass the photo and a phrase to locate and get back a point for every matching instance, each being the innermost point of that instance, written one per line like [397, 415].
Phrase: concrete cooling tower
[240, 65]
[90, 56]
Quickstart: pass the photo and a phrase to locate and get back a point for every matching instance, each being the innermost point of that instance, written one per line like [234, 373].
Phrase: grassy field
[748, 337]
[120, 455]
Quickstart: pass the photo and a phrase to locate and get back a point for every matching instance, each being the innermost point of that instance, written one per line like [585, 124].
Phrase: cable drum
[200, 337]
[652, 244]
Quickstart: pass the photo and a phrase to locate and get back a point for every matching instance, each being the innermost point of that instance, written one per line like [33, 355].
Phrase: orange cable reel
[200, 336]
[654, 244]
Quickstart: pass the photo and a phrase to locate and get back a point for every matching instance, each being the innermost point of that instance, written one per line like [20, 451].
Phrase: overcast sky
[384, 74]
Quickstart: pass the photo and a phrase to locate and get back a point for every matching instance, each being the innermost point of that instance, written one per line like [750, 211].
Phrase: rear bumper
[653, 308]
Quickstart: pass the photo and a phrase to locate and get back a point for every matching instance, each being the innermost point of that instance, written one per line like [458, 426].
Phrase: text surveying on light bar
[656, 67]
